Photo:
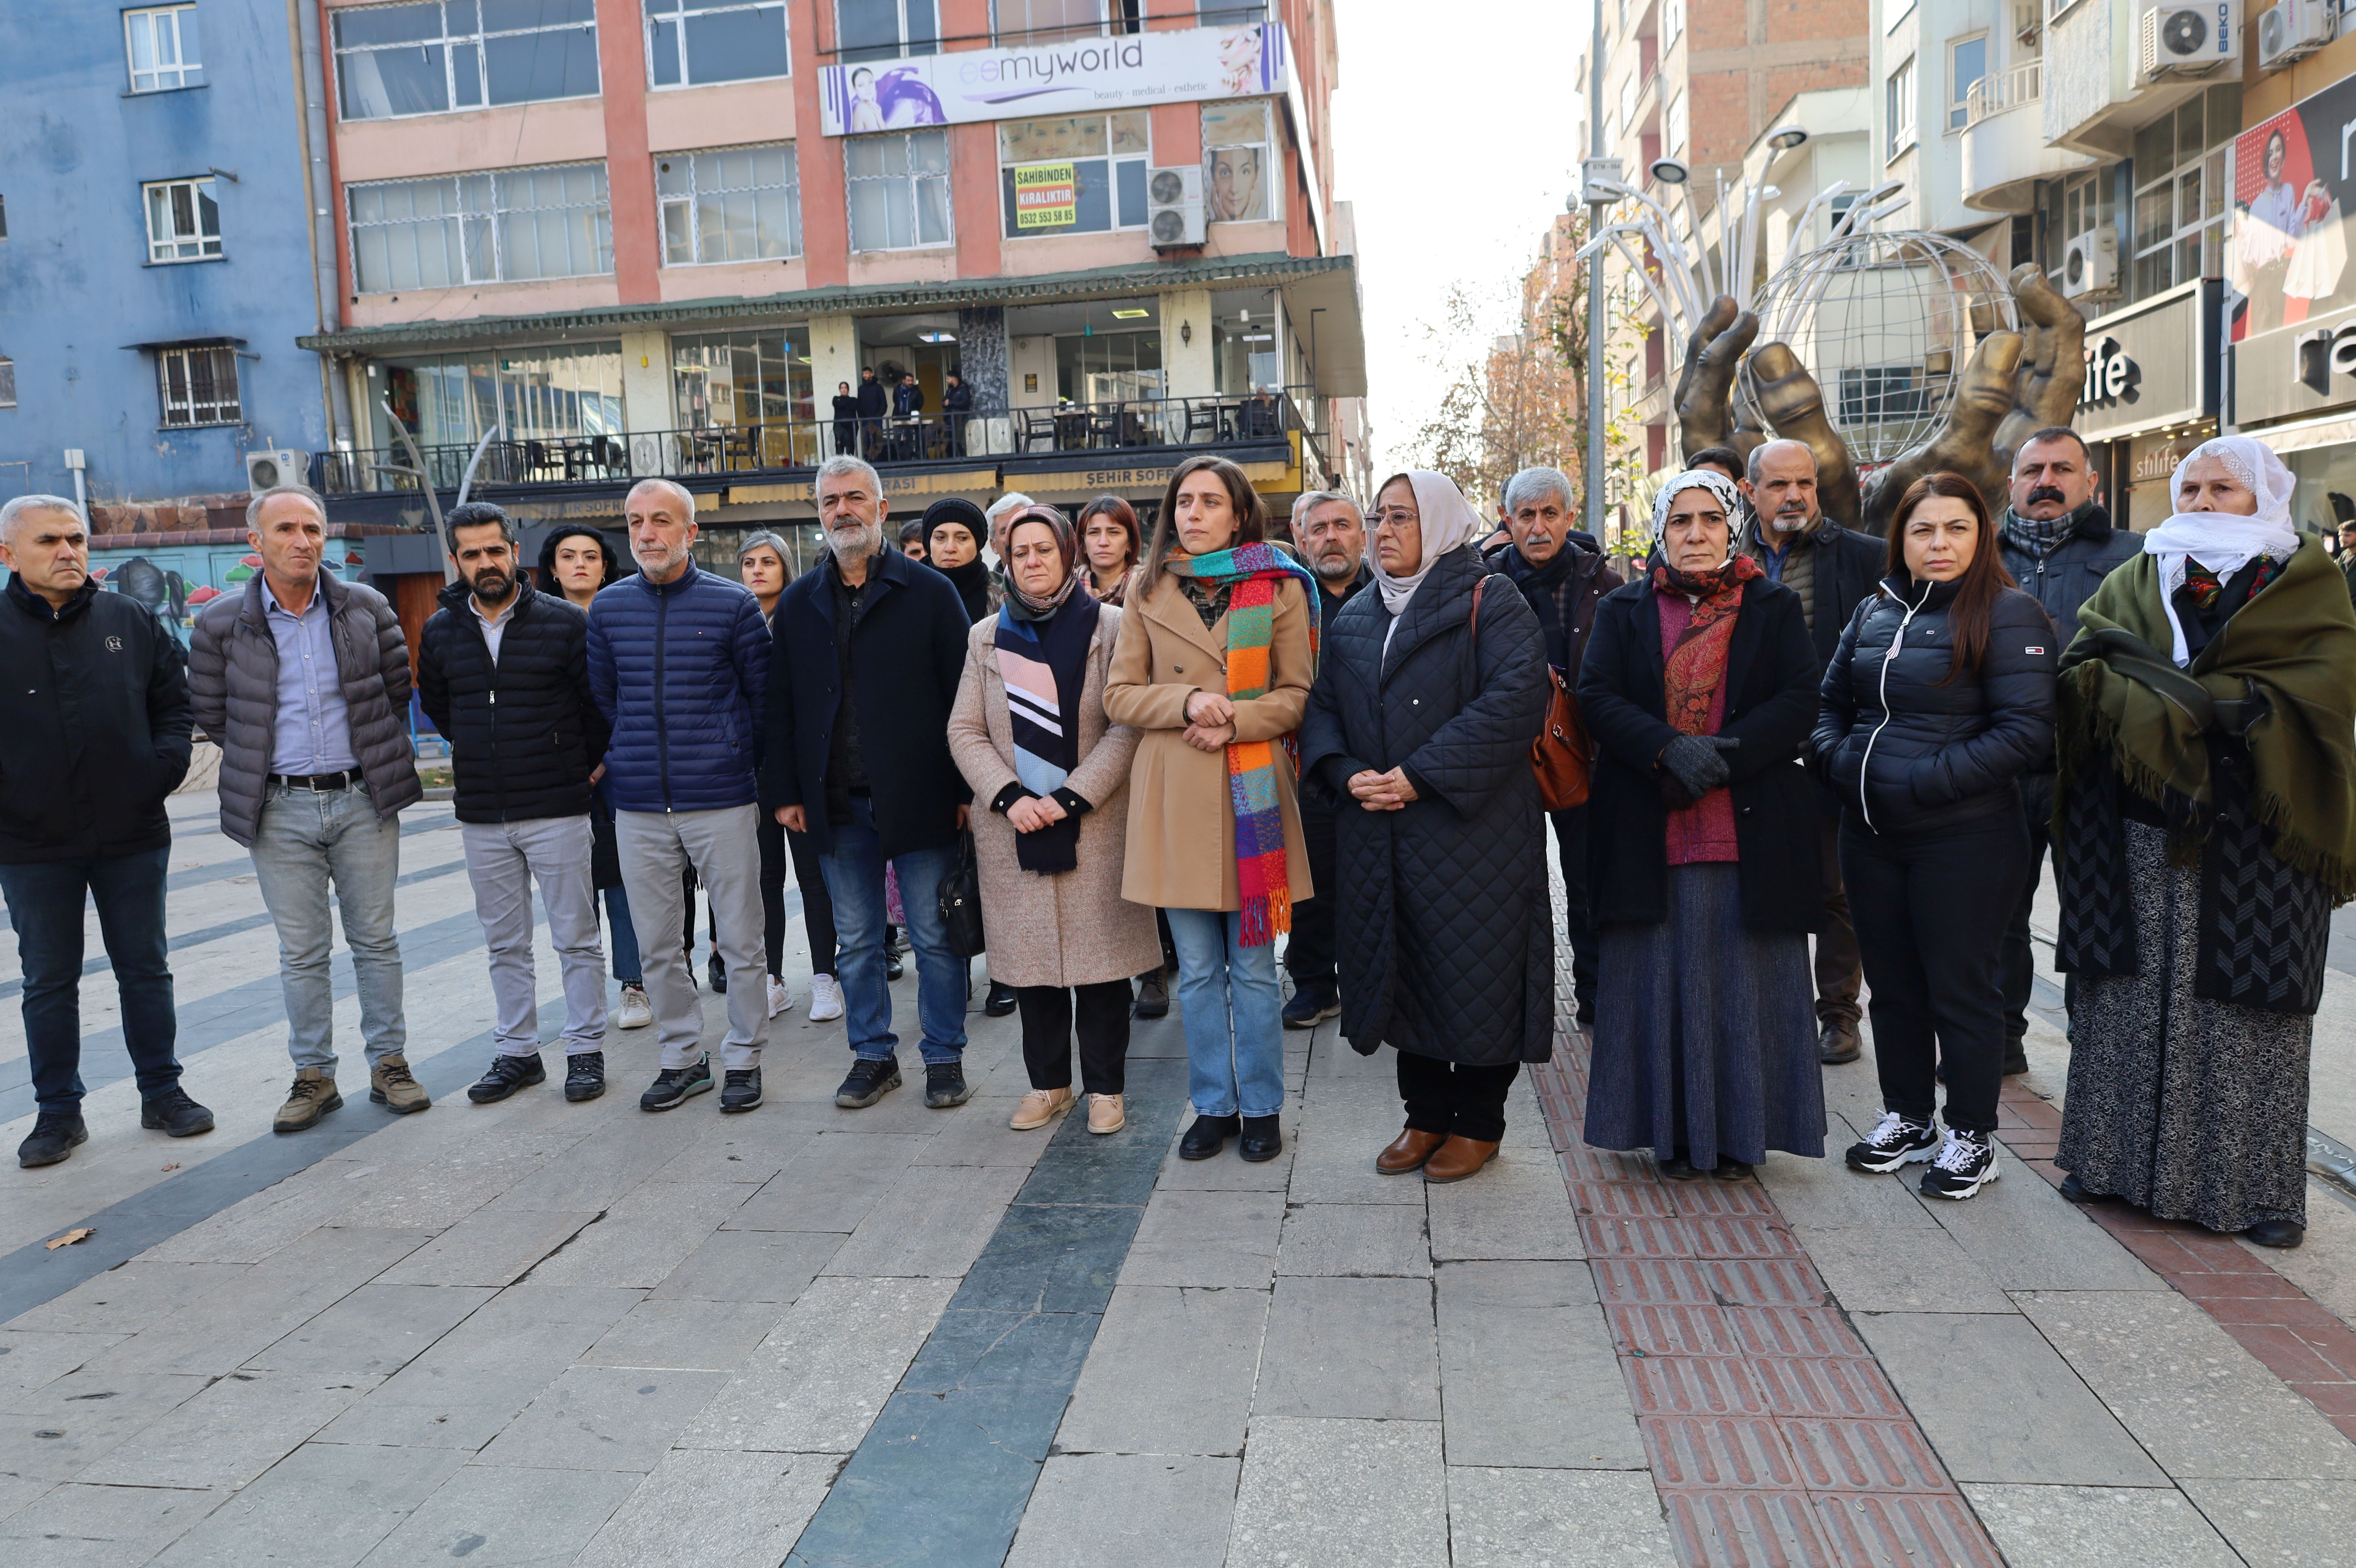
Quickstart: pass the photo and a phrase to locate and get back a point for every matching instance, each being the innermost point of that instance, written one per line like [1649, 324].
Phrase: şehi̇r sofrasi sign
[968, 86]
[1046, 196]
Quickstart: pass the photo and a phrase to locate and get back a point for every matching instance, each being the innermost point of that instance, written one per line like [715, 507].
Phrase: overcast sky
[1456, 136]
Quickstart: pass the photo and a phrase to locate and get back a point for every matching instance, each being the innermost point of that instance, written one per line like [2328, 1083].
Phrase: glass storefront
[561, 391]
[2326, 496]
[755, 386]
[1109, 367]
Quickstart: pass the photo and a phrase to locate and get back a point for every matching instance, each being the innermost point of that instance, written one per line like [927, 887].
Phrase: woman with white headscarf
[1705, 857]
[2204, 828]
[1429, 695]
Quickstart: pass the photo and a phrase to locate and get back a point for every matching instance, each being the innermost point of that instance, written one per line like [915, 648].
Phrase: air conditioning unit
[2091, 264]
[268, 470]
[2179, 40]
[2293, 29]
[1173, 206]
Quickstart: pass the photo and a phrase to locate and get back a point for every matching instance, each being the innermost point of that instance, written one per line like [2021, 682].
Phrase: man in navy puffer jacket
[678, 661]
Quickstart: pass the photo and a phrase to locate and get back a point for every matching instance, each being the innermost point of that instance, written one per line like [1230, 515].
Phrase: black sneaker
[718, 974]
[507, 1074]
[1263, 1138]
[53, 1137]
[743, 1090]
[1310, 1006]
[1000, 1002]
[1895, 1141]
[173, 1114]
[1966, 1162]
[674, 1085]
[584, 1075]
[871, 1078]
[945, 1085]
[1208, 1135]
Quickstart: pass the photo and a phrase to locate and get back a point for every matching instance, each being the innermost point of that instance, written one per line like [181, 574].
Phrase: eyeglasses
[1393, 518]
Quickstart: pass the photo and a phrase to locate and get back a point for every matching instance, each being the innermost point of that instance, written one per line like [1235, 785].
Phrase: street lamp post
[1593, 175]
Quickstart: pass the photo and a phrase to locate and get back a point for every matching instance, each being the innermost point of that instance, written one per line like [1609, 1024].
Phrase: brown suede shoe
[390, 1085]
[312, 1096]
[1408, 1151]
[1458, 1158]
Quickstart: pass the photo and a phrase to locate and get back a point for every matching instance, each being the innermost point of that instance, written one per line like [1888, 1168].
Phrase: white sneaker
[826, 998]
[634, 1011]
[780, 998]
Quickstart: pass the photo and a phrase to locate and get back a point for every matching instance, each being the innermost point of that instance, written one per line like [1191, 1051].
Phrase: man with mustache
[1831, 568]
[1332, 535]
[503, 671]
[2058, 544]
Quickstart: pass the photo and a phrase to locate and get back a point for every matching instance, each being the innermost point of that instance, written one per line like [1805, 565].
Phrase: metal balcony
[2004, 152]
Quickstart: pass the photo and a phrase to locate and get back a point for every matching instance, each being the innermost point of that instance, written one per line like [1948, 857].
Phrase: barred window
[899, 189]
[692, 42]
[442, 55]
[162, 47]
[182, 222]
[730, 204]
[198, 386]
[504, 227]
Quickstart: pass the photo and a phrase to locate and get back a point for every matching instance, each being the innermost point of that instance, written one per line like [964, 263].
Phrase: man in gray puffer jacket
[303, 679]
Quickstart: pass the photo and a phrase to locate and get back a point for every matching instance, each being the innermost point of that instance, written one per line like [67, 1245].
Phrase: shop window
[183, 222]
[1967, 63]
[1239, 173]
[444, 54]
[162, 47]
[731, 204]
[1020, 22]
[756, 384]
[503, 227]
[1080, 175]
[886, 29]
[1898, 101]
[693, 42]
[1108, 367]
[899, 189]
[198, 387]
[534, 394]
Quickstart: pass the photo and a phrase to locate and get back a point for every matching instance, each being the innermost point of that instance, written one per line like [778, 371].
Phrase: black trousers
[779, 847]
[1102, 1017]
[2019, 956]
[1930, 910]
[1570, 849]
[1456, 1096]
[1309, 953]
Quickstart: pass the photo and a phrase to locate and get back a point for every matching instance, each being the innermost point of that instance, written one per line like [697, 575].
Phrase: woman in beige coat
[1217, 656]
[1028, 733]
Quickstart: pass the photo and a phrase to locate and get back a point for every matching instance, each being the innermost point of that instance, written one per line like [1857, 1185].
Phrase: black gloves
[1694, 764]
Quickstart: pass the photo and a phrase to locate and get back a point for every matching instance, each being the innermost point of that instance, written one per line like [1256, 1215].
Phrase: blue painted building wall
[75, 283]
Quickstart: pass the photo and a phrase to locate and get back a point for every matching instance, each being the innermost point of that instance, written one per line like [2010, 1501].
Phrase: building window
[7, 383]
[1673, 126]
[899, 189]
[430, 58]
[1967, 63]
[1673, 22]
[1230, 13]
[162, 46]
[1080, 175]
[2179, 192]
[753, 386]
[541, 395]
[886, 29]
[1019, 22]
[198, 386]
[1237, 163]
[515, 224]
[732, 203]
[692, 42]
[1900, 101]
[183, 222]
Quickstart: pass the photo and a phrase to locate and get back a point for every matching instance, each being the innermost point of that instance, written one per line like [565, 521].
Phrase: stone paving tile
[715, 1509]
[1362, 1349]
[1171, 1372]
[1090, 1509]
[604, 1418]
[1900, 1532]
[1364, 1240]
[377, 1329]
[1515, 1209]
[492, 1516]
[1223, 1239]
[749, 1265]
[816, 1383]
[1514, 1518]
[56, 1431]
[494, 1247]
[1528, 1375]
[30, 1357]
[1372, 1494]
[1047, 1258]
[832, 1186]
[2098, 1526]
[233, 1431]
[1713, 1527]
[102, 1527]
[934, 1222]
[716, 1335]
[2282, 1521]
[1903, 1269]
[126, 1299]
[647, 1233]
[222, 1328]
[325, 1504]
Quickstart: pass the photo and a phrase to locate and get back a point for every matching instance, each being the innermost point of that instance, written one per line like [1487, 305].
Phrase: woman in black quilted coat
[1938, 699]
[1421, 721]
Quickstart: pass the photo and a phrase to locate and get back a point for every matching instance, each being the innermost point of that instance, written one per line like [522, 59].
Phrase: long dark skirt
[1705, 1033]
[2195, 1110]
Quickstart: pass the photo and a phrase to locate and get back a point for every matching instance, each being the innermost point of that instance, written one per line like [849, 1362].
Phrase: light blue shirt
[314, 733]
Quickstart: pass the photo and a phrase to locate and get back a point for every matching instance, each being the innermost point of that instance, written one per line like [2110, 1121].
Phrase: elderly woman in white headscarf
[2204, 828]
[1705, 852]
[1430, 692]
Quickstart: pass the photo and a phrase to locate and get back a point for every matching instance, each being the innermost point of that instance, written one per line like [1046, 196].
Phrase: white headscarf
[2224, 542]
[1449, 521]
[1717, 484]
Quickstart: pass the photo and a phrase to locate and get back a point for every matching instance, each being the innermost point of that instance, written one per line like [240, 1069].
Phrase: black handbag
[961, 902]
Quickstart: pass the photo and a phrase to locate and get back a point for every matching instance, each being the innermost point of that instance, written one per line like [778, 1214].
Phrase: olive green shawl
[2295, 643]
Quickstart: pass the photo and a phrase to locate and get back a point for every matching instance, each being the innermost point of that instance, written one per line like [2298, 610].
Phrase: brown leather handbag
[1558, 757]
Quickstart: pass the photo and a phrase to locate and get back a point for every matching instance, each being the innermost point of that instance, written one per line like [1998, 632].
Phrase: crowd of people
[1155, 756]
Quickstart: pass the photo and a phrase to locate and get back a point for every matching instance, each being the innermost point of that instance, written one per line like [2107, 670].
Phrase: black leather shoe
[893, 968]
[869, 1081]
[2075, 1190]
[507, 1074]
[1208, 1135]
[53, 1137]
[717, 973]
[2016, 1056]
[1153, 995]
[945, 1085]
[2277, 1232]
[1839, 1044]
[173, 1114]
[1000, 1002]
[1263, 1138]
[584, 1075]
[1676, 1168]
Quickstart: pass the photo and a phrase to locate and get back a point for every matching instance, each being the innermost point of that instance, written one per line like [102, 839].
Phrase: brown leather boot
[1407, 1151]
[1458, 1158]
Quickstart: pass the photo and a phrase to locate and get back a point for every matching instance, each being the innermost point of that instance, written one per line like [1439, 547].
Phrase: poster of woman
[2288, 252]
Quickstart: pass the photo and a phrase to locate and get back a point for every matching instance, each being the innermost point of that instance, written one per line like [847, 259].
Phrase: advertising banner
[2294, 190]
[1046, 196]
[966, 86]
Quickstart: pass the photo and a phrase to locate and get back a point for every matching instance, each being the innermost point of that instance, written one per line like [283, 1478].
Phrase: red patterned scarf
[1694, 668]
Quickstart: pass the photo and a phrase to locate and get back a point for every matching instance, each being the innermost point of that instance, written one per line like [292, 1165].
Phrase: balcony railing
[2023, 85]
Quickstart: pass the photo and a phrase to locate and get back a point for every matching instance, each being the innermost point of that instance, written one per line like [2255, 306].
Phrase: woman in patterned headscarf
[1700, 689]
[2204, 827]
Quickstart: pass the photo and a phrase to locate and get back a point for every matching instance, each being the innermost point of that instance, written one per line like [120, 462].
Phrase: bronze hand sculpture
[2017, 382]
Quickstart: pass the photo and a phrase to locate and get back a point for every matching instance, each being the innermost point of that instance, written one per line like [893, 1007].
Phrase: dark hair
[2056, 432]
[1251, 512]
[1982, 579]
[558, 534]
[916, 533]
[1723, 457]
[478, 515]
[1121, 512]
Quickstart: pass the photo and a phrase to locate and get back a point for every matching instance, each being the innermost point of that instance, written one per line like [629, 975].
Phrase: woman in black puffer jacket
[1939, 698]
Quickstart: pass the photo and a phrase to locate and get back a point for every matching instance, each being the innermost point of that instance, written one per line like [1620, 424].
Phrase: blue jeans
[1233, 1012]
[44, 903]
[626, 968]
[854, 880]
[309, 839]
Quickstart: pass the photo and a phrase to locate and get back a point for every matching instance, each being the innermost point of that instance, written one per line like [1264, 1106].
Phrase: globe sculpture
[1886, 321]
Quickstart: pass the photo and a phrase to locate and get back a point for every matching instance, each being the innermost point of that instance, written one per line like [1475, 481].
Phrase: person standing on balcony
[957, 404]
[908, 418]
[874, 404]
[846, 420]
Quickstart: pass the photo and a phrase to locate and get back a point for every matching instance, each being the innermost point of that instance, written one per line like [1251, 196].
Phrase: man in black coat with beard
[874, 404]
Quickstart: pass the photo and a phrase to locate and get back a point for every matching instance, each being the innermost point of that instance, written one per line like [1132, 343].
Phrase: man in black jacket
[873, 405]
[869, 649]
[2058, 544]
[1832, 569]
[503, 671]
[846, 420]
[96, 713]
[957, 404]
[1332, 535]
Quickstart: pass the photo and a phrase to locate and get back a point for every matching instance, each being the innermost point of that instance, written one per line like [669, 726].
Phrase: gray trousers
[308, 841]
[657, 848]
[503, 859]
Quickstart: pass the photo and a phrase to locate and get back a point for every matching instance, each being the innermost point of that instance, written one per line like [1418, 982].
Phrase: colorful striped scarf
[1252, 571]
[1043, 664]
